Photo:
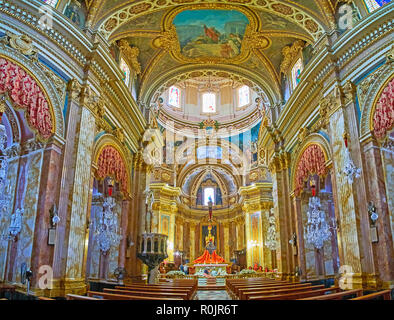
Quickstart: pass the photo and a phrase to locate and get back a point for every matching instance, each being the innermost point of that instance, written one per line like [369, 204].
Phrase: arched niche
[321, 146]
[109, 145]
[27, 70]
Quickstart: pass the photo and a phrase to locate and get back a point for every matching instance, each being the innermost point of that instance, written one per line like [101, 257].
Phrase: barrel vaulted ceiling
[151, 26]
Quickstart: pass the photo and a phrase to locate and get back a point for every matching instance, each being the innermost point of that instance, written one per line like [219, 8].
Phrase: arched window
[372, 5]
[243, 96]
[296, 73]
[209, 194]
[52, 3]
[209, 103]
[125, 71]
[174, 98]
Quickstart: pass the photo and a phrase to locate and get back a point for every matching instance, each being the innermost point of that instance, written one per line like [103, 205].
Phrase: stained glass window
[296, 73]
[125, 71]
[209, 195]
[174, 97]
[52, 3]
[209, 103]
[372, 5]
[243, 96]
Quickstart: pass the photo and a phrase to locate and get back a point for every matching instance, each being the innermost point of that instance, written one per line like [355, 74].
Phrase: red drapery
[26, 94]
[383, 118]
[111, 164]
[207, 258]
[312, 161]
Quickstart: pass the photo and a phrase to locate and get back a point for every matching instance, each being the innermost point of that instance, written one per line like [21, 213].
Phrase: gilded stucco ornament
[168, 40]
[74, 89]
[131, 54]
[22, 43]
[349, 92]
[289, 54]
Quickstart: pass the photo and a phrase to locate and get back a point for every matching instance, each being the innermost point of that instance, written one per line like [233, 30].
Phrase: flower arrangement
[175, 274]
[247, 273]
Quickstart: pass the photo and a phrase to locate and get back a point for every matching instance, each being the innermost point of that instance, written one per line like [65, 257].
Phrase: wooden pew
[184, 295]
[337, 296]
[191, 293]
[78, 297]
[248, 294]
[386, 294]
[230, 285]
[45, 299]
[297, 295]
[110, 296]
[240, 291]
[234, 289]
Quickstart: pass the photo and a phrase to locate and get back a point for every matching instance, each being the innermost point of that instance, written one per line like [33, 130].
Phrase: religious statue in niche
[76, 11]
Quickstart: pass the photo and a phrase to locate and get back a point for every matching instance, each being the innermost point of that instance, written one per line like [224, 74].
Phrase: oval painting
[210, 33]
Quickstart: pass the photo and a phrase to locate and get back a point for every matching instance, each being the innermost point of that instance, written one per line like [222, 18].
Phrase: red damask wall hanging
[27, 95]
[111, 164]
[311, 162]
[383, 118]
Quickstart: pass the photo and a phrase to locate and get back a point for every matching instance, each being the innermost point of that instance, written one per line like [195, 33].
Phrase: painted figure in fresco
[75, 12]
[212, 33]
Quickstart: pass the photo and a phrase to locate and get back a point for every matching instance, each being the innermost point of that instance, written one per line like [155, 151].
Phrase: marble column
[354, 237]
[226, 239]
[42, 252]
[75, 192]
[279, 192]
[192, 241]
[301, 260]
[124, 227]
[376, 190]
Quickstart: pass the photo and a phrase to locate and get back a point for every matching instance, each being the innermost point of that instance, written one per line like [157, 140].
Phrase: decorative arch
[265, 86]
[312, 159]
[110, 160]
[46, 80]
[381, 77]
[383, 115]
[25, 93]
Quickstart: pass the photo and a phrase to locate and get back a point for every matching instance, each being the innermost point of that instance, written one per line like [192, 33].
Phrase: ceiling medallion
[211, 33]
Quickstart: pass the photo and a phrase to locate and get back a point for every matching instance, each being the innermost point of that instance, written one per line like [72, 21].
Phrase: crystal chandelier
[317, 230]
[271, 242]
[350, 171]
[107, 230]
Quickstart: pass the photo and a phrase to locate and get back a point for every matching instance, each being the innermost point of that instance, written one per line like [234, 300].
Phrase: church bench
[45, 299]
[245, 295]
[238, 290]
[78, 297]
[148, 293]
[296, 295]
[188, 293]
[110, 296]
[231, 285]
[193, 289]
[235, 290]
[386, 294]
[337, 296]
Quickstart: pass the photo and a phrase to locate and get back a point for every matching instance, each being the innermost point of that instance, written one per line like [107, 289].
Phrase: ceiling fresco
[210, 33]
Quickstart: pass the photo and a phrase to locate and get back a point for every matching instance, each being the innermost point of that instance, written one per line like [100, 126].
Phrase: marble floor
[213, 295]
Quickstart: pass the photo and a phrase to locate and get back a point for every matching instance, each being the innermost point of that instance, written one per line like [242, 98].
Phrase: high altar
[210, 260]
